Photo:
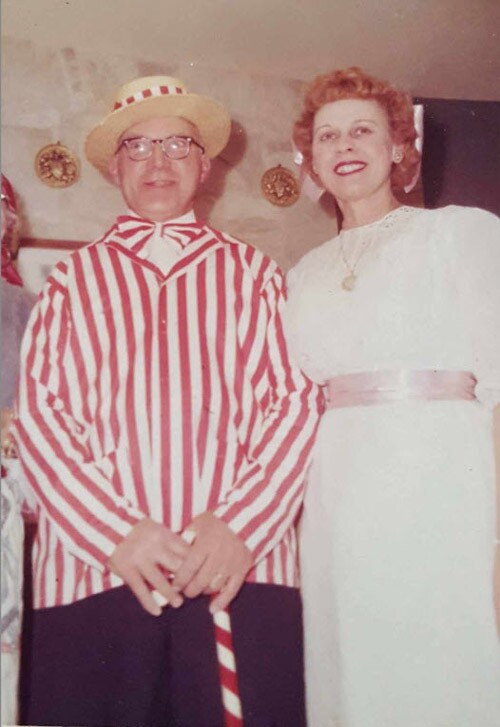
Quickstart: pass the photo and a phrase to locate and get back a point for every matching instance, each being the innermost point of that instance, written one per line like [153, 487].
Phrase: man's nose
[158, 157]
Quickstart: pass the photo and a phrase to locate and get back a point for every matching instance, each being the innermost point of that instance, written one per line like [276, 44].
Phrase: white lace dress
[398, 529]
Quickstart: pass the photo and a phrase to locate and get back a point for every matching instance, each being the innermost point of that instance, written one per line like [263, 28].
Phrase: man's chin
[159, 212]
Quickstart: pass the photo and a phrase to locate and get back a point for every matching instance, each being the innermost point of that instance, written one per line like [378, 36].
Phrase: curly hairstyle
[355, 83]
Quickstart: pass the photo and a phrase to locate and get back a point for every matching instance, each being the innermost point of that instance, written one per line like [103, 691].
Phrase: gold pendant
[349, 281]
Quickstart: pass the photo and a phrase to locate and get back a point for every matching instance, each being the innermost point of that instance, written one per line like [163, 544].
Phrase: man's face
[160, 188]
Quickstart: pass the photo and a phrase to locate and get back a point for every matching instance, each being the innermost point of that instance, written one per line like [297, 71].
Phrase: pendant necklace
[349, 281]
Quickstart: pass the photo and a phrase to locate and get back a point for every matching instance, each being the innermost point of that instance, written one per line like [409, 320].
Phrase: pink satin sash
[381, 387]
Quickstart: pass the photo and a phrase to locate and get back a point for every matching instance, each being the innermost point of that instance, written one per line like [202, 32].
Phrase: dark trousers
[105, 662]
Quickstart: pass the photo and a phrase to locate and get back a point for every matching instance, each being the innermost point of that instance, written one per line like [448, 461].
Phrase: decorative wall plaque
[57, 166]
[280, 186]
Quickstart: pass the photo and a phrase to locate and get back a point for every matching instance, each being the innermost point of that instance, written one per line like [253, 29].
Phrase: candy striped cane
[228, 676]
[227, 670]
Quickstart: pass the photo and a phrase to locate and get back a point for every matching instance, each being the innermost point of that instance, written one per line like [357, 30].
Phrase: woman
[399, 318]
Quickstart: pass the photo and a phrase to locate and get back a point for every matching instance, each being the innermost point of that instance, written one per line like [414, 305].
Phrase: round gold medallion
[280, 186]
[57, 166]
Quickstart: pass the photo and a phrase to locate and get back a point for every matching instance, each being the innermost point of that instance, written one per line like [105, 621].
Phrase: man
[157, 398]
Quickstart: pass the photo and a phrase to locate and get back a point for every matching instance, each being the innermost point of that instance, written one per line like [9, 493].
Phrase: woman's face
[352, 149]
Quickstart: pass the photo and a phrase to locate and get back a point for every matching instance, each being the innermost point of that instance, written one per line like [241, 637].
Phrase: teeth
[347, 168]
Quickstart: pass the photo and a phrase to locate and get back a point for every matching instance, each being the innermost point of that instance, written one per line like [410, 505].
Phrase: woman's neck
[356, 213]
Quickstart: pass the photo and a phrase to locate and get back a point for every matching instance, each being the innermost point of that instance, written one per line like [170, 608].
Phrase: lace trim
[387, 221]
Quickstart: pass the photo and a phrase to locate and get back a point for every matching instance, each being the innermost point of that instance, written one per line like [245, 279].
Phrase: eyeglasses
[140, 148]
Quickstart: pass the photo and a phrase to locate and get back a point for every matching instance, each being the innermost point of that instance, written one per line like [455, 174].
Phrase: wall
[59, 94]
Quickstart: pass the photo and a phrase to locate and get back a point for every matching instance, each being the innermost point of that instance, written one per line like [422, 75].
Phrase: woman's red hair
[355, 83]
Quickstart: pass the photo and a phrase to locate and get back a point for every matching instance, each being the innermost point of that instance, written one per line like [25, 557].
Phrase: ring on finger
[218, 582]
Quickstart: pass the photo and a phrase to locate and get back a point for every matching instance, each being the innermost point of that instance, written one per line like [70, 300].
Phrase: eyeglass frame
[189, 139]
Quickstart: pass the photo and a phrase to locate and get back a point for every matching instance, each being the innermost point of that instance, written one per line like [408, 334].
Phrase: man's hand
[217, 562]
[142, 560]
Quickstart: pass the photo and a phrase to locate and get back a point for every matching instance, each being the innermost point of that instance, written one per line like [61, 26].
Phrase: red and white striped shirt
[161, 391]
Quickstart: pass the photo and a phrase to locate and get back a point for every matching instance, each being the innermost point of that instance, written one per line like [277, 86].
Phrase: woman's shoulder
[469, 232]
[461, 215]
[468, 236]
[313, 260]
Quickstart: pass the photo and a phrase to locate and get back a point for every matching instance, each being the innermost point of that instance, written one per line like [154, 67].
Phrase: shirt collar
[184, 219]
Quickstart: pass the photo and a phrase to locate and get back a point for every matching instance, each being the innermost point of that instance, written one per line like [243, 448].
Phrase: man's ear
[113, 170]
[206, 165]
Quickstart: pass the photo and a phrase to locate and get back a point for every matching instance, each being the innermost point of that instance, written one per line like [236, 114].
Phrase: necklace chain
[349, 281]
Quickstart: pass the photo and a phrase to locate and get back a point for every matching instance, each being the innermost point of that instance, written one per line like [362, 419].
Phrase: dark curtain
[461, 161]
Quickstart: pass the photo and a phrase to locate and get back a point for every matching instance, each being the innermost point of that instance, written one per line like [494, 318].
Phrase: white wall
[59, 94]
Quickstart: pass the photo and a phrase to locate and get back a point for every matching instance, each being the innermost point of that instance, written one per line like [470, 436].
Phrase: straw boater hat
[151, 97]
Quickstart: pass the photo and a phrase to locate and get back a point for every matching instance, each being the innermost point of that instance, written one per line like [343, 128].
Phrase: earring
[397, 156]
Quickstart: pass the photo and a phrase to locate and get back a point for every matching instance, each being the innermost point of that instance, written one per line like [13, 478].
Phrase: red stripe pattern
[233, 715]
[162, 393]
[146, 93]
